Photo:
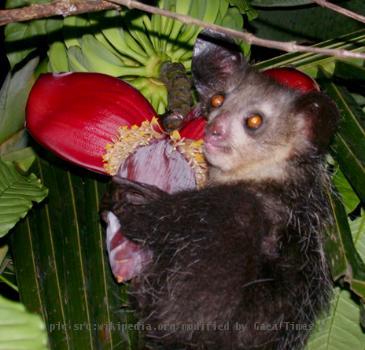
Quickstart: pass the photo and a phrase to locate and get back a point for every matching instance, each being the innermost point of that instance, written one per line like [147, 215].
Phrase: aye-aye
[238, 264]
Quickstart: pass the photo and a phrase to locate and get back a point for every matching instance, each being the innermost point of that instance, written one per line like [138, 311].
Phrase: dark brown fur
[240, 261]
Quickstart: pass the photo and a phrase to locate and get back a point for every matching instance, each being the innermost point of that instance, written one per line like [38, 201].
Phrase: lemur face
[255, 126]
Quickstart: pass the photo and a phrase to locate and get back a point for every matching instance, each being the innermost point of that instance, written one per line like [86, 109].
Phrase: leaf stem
[8, 283]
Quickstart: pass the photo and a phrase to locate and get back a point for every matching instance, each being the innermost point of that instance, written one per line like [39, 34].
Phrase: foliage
[13, 97]
[16, 195]
[341, 328]
[61, 265]
[17, 191]
[285, 20]
[20, 329]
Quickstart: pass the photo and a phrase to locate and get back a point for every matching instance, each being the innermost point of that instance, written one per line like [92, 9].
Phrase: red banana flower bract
[76, 114]
[292, 78]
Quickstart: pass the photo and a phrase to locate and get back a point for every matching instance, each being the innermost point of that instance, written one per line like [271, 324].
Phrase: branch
[61, 7]
[340, 10]
[246, 36]
[72, 7]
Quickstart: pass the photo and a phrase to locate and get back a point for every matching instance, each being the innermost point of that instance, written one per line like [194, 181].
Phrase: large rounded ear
[218, 64]
[321, 118]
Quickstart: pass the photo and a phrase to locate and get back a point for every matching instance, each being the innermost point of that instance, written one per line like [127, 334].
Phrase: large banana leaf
[61, 265]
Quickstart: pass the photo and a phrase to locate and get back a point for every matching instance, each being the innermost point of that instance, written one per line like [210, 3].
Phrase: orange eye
[217, 100]
[254, 121]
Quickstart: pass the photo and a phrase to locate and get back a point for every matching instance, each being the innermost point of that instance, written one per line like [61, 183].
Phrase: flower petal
[194, 129]
[75, 115]
[292, 78]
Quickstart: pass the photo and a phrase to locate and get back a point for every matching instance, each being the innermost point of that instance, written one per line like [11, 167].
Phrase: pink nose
[217, 128]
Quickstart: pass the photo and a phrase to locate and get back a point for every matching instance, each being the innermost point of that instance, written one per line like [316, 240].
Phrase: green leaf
[349, 146]
[19, 3]
[360, 100]
[233, 19]
[19, 329]
[304, 24]
[340, 329]
[245, 8]
[342, 255]
[349, 198]
[349, 71]
[22, 158]
[13, 98]
[350, 164]
[358, 233]
[62, 267]
[17, 193]
[16, 141]
[310, 62]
